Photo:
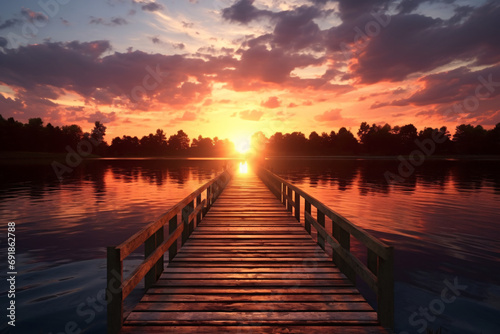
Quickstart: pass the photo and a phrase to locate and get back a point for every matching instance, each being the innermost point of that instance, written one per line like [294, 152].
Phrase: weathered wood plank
[243, 329]
[304, 318]
[253, 298]
[256, 306]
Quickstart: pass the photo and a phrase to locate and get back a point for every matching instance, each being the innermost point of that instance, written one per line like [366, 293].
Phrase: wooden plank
[253, 290]
[253, 298]
[254, 282]
[243, 329]
[221, 318]
[257, 306]
[302, 270]
[239, 276]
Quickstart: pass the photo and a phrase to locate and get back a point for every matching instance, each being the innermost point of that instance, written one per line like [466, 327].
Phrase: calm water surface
[443, 222]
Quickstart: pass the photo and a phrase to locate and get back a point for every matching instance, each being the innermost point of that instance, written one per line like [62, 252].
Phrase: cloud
[455, 86]
[152, 7]
[243, 11]
[9, 23]
[101, 117]
[32, 16]
[156, 40]
[251, 115]
[272, 102]
[83, 68]
[115, 21]
[187, 116]
[416, 43]
[329, 116]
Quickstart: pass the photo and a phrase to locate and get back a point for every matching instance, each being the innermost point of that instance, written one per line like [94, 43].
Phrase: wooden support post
[172, 226]
[307, 209]
[283, 193]
[114, 290]
[345, 242]
[321, 221]
[160, 236]
[385, 303]
[209, 195]
[199, 215]
[149, 247]
[297, 206]
[372, 261]
[288, 199]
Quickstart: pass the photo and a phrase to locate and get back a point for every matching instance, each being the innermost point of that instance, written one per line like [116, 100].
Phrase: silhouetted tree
[179, 142]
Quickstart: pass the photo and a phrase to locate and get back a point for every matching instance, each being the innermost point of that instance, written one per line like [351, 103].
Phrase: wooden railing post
[297, 206]
[114, 290]
[172, 226]
[321, 221]
[307, 209]
[207, 204]
[372, 261]
[344, 239]
[199, 215]
[288, 199]
[283, 194]
[385, 303]
[149, 247]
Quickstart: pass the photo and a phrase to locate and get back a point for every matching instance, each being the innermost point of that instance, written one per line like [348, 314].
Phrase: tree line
[35, 137]
[381, 140]
[373, 140]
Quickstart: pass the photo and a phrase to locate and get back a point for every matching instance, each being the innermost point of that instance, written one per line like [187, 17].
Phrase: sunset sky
[230, 68]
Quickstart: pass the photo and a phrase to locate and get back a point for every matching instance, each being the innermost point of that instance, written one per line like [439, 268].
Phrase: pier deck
[251, 267]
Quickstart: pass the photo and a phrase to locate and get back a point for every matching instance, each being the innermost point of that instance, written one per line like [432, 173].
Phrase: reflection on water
[243, 168]
[63, 229]
[443, 222]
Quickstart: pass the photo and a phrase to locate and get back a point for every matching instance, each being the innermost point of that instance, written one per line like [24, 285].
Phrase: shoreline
[20, 156]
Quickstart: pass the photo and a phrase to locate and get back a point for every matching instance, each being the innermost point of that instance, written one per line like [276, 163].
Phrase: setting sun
[242, 145]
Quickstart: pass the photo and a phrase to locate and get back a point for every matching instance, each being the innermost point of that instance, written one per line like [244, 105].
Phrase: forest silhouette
[374, 140]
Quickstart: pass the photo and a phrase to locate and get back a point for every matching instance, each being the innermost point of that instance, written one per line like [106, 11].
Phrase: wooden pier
[247, 265]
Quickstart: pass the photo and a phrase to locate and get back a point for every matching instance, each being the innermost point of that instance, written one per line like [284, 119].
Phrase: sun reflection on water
[243, 168]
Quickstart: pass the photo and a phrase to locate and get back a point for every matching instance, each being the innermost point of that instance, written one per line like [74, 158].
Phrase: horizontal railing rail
[377, 273]
[189, 212]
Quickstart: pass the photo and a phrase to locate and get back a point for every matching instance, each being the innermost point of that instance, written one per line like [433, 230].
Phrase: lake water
[443, 222]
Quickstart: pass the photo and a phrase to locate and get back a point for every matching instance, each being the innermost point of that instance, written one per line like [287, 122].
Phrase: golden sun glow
[242, 144]
[243, 167]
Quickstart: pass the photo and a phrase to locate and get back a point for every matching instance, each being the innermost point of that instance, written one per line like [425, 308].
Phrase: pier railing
[182, 218]
[377, 273]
